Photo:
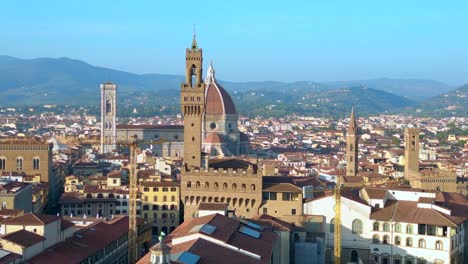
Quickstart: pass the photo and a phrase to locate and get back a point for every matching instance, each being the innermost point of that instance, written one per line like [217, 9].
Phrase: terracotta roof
[65, 224]
[408, 212]
[231, 163]
[23, 238]
[375, 193]
[84, 243]
[8, 257]
[281, 187]
[11, 212]
[32, 219]
[227, 231]
[218, 101]
[213, 138]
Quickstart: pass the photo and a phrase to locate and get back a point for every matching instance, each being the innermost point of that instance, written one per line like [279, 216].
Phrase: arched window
[197, 184]
[409, 260]
[397, 240]
[252, 187]
[108, 106]
[234, 186]
[164, 216]
[244, 187]
[207, 185]
[422, 243]
[409, 229]
[189, 184]
[332, 225]
[88, 195]
[376, 226]
[173, 198]
[386, 227]
[409, 242]
[375, 239]
[35, 163]
[385, 239]
[2, 163]
[164, 198]
[111, 195]
[225, 186]
[216, 186]
[357, 226]
[439, 245]
[398, 228]
[19, 163]
[100, 195]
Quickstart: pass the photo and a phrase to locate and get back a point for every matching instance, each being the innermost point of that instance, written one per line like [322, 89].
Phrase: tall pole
[133, 190]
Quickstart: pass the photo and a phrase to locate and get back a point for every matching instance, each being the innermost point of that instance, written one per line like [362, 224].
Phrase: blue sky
[249, 40]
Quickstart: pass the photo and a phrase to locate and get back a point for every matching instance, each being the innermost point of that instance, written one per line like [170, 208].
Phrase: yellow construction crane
[133, 193]
[337, 227]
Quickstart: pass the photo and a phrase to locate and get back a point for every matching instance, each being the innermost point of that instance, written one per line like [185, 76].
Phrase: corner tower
[108, 116]
[352, 139]
[192, 102]
[411, 151]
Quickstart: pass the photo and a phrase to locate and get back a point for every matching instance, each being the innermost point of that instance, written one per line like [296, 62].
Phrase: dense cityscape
[103, 166]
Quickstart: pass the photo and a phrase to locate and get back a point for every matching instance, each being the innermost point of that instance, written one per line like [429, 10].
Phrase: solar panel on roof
[208, 229]
[188, 258]
[250, 232]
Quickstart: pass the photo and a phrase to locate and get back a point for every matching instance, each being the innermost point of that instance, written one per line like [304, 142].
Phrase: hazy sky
[313, 40]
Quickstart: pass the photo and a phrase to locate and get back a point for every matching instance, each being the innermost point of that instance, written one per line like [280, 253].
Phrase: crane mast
[133, 191]
[337, 227]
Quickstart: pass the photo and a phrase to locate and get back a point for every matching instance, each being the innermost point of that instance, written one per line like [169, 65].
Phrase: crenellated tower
[352, 139]
[192, 102]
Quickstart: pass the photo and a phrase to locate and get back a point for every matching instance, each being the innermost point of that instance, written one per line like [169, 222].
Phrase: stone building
[234, 182]
[31, 156]
[108, 117]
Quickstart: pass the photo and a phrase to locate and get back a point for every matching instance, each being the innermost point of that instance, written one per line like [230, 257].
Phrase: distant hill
[329, 103]
[74, 82]
[454, 103]
[413, 89]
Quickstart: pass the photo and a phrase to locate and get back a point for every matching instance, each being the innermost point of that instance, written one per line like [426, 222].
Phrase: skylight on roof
[208, 229]
[188, 258]
[205, 228]
[251, 224]
[250, 232]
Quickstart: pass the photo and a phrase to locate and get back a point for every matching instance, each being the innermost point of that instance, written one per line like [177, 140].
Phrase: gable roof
[32, 219]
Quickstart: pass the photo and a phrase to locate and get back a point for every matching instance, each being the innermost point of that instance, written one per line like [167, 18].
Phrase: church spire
[210, 75]
[352, 128]
[194, 41]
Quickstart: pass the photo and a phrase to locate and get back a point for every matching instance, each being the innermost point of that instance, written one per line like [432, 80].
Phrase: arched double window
[357, 226]
[386, 227]
[35, 163]
[385, 239]
[376, 226]
[409, 229]
[397, 240]
[422, 243]
[398, 228]
[439, 245]
[409, 242]
[19, 163]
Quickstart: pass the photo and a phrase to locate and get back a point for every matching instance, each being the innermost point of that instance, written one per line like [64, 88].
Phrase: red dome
[218, 101]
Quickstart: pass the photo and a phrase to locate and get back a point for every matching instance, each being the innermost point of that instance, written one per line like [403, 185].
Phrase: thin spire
[352, 122]
[210, 74]
[194, 41]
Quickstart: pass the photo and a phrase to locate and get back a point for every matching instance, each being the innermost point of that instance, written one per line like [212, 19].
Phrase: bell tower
[108, 116]
[352, 139]
[411, 151]
[192, 102]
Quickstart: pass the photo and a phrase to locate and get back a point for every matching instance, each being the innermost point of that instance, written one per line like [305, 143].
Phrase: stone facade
[240, 189]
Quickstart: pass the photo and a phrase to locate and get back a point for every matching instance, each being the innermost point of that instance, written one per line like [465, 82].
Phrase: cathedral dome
[218, 101]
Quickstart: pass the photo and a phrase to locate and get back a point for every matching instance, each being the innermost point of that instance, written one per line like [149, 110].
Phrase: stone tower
[352, 139]
[108, 114]
[192, 102]
[411, 151]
